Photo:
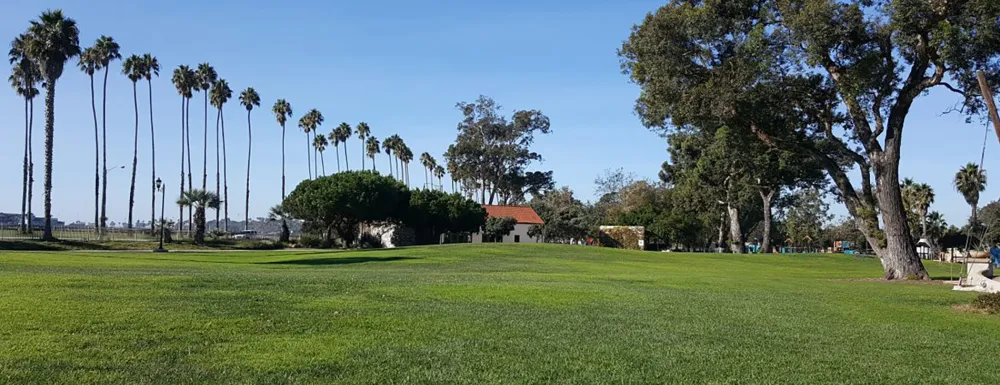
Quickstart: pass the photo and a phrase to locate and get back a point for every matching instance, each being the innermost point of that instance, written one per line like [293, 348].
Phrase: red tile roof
[521, 214]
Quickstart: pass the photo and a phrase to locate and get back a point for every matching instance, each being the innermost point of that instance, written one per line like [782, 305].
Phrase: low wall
[980, 279]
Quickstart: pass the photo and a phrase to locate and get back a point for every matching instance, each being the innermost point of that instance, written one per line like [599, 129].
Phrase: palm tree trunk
[180, 217]
[347, 163]
[104, 153]
[97, 159]
[50, 117]
[308, 160]
[322, 161]
[373, 163]
[152, 141]
[337, 149]
[363, 155]
[284, 223]
[31, 165]
[24, 177]
[315, 156]
[190, 165]
[135, 153]
[225, 177]
[204, 151]
[218, 165]
[426, 183]
[199, 234]
[246, 209]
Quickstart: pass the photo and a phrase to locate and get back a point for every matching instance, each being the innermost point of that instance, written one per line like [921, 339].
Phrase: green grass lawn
[465, 314]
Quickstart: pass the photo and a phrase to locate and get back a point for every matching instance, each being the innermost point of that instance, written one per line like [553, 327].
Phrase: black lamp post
[162, 188]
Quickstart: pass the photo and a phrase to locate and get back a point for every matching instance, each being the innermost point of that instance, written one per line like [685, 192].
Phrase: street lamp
[162, 188]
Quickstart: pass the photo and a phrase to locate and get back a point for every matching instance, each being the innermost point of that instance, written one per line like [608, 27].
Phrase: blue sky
[400, 66]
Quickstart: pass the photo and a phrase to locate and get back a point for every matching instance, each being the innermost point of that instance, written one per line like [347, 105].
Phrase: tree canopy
[432, 213]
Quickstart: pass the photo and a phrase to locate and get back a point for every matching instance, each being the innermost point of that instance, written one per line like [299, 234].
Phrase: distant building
[524, 216]
[7, 219]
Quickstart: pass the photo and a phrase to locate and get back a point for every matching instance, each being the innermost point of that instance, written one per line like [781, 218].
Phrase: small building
[524, 216]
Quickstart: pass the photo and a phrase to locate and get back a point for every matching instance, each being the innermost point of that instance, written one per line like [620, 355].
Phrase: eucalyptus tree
[52, 40]
[132, 68]
[220, 94]
[282, 110]
[107, 51]
[372, 148]
[249, 99]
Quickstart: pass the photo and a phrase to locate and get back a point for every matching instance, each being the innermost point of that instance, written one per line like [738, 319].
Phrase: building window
[517, 239]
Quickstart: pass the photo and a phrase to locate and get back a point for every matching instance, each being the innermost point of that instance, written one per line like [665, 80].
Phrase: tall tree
[439, 173]
[388, 145]
[363, 131]
[53, 39]
[205, 77]
[220, 94]
[150, 68]
[249, 99]
[344, 132]
[183, 83]
[107, 50]
[312, 120]
[406, 156]
[372, 147]
[132, 68]
[24, 78]
[425, 160]
[282, 110]
[970, 181]
[90, 63]
[319, 143]
[850, 70]
[494, 150]
[306, 127]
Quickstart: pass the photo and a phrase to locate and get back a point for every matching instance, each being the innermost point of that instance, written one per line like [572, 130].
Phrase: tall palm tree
[439, 173]
[363, 131]
[334, 138]
[923, 198]
[282, 111]
[320, 143]
[425, 160]
[315, 120]
[132, 68]
[372, 149]
[23, 79]
[199, 200]
[53, 40]
[406, 156]
[249, 99]
[150, 68]
[970, 181]
[90, 63]
[389, 144]
[306, 127]
[107, 51]
[344, 132]
[205, 77]
[220, 94]
[183, 83]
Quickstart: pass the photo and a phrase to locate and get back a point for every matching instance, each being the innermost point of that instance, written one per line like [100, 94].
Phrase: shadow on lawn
[337, 261]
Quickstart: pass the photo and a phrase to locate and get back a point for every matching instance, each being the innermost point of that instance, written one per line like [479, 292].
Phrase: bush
[988, 302]
[369, 241]
[310, 242]
[260, 245]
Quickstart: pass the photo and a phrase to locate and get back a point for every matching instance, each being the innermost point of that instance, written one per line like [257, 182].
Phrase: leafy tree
[249, 99]
[282, 110]
[805, 218]
[24, 78]
[496, 151]
[432, 213]
[850, 70]
[495, 228]
[970, 181]
[565, 217]
[199, 200]
[51, 41]
[341, 202]
[132, 69]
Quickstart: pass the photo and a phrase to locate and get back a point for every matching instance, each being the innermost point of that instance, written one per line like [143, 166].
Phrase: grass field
[467, 314]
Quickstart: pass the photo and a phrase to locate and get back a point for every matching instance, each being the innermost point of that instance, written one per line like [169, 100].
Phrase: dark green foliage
[432, 213]
[496, 228]
[340, 203]
[565, 217]
[988, 302]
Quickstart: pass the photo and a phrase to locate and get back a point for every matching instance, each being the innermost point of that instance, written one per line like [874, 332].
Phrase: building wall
[520, 232]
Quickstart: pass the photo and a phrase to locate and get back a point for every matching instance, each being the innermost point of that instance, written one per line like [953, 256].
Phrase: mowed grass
[475, 314]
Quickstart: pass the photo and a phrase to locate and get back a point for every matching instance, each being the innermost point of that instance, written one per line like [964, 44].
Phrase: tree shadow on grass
[50, 246]
[336, 261]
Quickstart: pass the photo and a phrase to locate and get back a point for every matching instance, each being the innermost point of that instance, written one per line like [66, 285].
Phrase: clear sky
[400, 66]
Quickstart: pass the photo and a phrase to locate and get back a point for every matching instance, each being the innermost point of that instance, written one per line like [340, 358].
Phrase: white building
[525, 217]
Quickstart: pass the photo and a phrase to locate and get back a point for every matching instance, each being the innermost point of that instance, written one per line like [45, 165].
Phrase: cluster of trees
[490, 156]
[341, 205]
[830, 82]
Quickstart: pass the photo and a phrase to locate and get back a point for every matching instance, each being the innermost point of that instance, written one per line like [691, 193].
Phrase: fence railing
[74, 233]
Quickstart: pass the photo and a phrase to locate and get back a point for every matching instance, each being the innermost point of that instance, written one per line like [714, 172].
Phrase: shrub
[370, 241]
[260, 245]
[310, 242]
[988, 302]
